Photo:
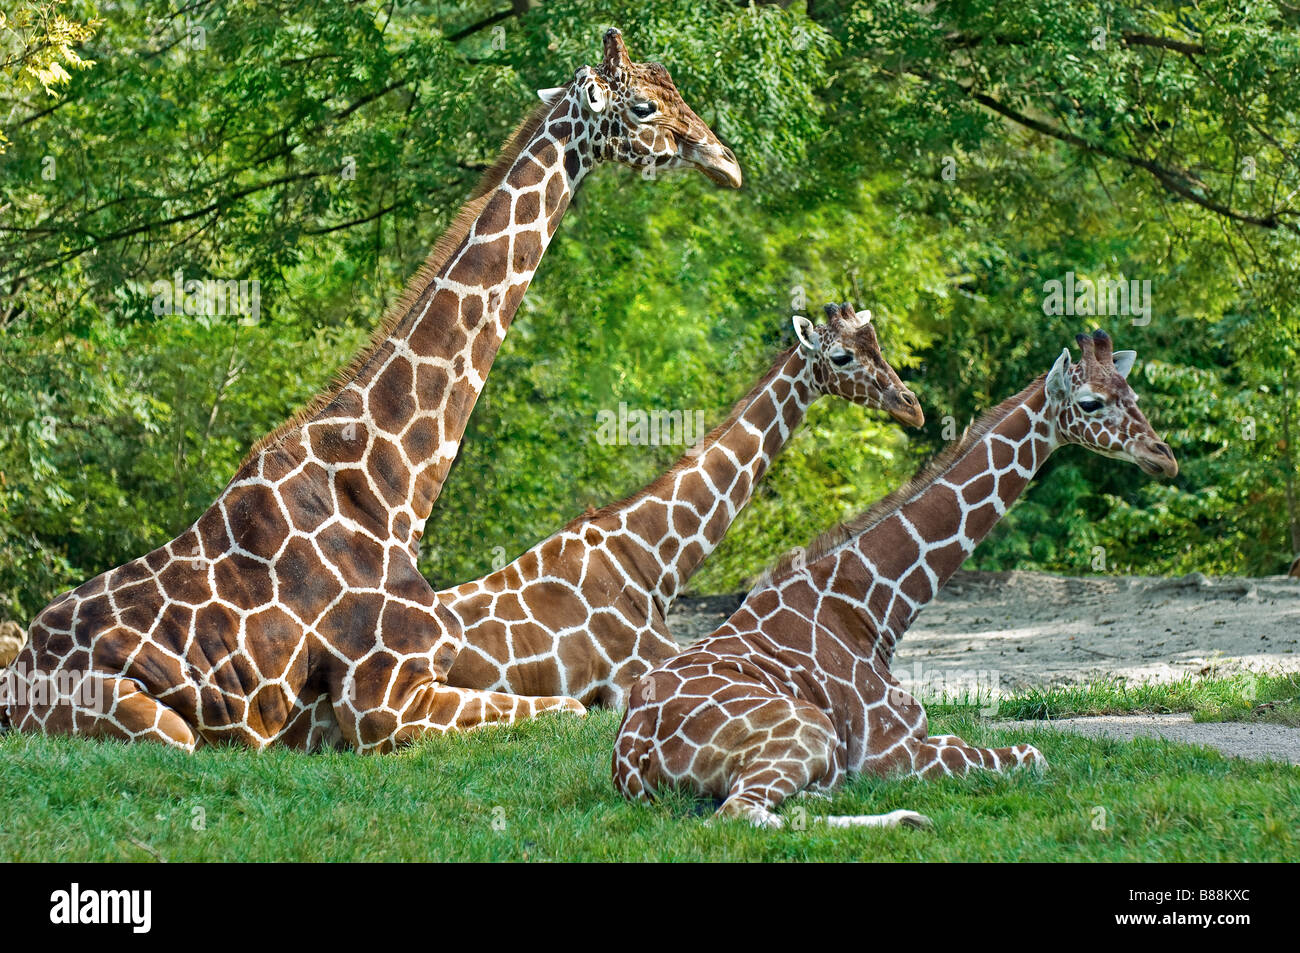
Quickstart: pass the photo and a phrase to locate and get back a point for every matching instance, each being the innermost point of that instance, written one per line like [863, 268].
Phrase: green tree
[936, 163]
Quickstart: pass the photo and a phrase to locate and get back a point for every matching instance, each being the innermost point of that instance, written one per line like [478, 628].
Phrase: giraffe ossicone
[584, 612]
[292, 611]
[794, 691]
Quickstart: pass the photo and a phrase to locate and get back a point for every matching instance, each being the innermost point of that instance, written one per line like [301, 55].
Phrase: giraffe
[583, 613]
[794, 691]
[300, 582]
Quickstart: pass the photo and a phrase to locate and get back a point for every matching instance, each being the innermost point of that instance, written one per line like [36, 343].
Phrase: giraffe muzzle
[902, 405]
[1157, 459]
[716, 161]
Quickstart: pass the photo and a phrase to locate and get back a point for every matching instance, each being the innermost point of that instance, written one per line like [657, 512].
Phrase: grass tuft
[1239, 697]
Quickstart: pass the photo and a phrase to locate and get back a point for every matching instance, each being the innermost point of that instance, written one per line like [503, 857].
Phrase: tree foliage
[936, 163]
[37, 48]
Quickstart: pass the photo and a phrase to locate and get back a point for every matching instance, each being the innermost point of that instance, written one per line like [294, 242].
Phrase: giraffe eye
[840, 358]
[1091, 405]
[643, 110]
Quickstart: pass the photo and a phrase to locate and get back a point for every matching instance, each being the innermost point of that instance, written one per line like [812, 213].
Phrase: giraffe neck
[685, 513]
[895, 566]
[403, 413]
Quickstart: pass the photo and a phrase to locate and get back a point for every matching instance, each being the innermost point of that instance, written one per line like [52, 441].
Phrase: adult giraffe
[300, 582]
[583, 613]
[794, 692]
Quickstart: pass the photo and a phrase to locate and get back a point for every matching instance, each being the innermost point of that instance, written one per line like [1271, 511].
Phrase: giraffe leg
[393, 690]
[118, 708]
[791, 748]
[907, 747]
[437, 708]
[776, 775]
[899, 818]
[943, 755]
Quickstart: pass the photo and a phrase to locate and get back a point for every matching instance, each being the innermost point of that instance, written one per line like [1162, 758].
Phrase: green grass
[1280, 711]
[547, 786]
[1244, 696]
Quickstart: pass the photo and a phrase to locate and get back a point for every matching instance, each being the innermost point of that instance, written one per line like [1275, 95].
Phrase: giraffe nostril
[1164, 448]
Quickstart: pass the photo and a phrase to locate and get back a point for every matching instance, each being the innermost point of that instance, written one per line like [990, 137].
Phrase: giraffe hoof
[755, 815]
[812, 795]
[911, 819]
[1027, 756]
[892, 819]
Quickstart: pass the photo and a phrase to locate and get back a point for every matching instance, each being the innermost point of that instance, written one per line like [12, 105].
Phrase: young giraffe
[300, 582]
[583, 613]
[794, 692]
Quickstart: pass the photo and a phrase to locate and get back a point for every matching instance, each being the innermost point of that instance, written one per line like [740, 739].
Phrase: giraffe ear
[803, 330]
[592, 89]
[549, 96]
[1124, 361]
[856, 319]
[1058, 378]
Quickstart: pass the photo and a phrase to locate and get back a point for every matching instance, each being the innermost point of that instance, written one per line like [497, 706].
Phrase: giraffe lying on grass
[794, 692]
[292, 611]
[583, 613]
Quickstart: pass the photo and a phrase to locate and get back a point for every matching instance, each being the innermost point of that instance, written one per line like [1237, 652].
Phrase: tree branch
[217, 205]
[380, 213]
[481, 25]
[1162, 43]
[1175, 180]
[966, 41]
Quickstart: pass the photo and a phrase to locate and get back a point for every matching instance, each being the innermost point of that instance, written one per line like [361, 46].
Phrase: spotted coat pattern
[794, 691]
[583, 613]
[292, 612]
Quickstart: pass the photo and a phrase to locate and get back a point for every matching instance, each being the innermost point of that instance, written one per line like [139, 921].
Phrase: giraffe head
[1092, 405]
[637, 117]
[847, 362]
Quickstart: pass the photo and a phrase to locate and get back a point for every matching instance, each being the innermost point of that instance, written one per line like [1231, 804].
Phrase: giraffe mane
[855, 526]
[443, 249]
[688, 459]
